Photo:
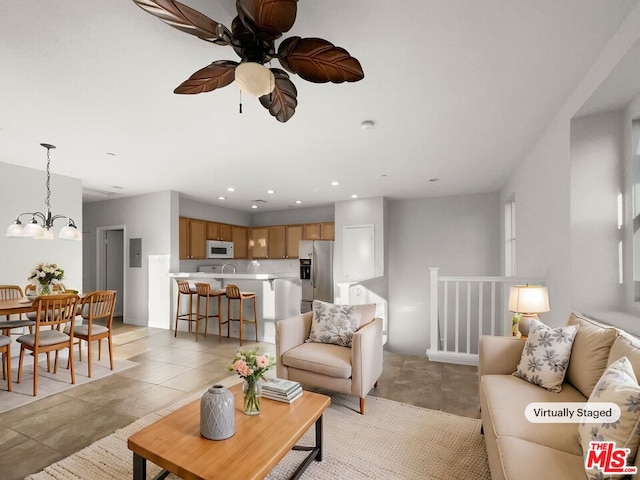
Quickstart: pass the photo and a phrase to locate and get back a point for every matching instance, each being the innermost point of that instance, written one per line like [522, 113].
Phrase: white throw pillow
[545, 356]
[336, 324]
[618, 384]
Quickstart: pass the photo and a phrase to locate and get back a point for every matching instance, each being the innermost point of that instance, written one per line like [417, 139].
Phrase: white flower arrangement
[47, 273]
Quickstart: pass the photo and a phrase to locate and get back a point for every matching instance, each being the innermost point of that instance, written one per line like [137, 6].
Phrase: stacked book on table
[282, 390]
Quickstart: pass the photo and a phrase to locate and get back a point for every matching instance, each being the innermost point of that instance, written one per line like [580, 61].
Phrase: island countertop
[232, 276]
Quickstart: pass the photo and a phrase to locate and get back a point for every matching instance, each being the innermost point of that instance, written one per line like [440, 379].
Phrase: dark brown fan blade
[269, 16]
[282, 102]
[187, 20]
[217, 75]
[319, 61]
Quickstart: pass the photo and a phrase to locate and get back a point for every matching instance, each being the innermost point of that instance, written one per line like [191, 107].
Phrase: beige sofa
[353, 371]
[520, 450]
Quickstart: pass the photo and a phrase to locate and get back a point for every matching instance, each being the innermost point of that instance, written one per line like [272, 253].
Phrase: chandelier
[41, 223]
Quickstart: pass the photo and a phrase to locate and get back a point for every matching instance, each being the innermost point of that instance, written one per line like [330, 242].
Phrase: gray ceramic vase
[217, 413]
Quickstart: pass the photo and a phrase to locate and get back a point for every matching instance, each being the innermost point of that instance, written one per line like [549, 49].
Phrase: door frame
[101, 281]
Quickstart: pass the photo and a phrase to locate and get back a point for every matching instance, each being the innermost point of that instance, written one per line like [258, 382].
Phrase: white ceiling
[459, 90]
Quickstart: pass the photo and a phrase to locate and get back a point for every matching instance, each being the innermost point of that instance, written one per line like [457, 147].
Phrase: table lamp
[528, 301]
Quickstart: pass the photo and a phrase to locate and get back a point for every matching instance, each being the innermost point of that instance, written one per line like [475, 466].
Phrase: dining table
[16, 306]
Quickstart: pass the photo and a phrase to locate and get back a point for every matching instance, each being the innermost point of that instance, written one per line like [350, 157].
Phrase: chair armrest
[499, 355]
[366, 357]
[290, 333]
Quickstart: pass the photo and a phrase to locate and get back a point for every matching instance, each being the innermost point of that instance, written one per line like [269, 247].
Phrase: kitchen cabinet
[294, 235]
[219, 231]
[311, 231]
[284, 240]
[319, 231]
[192, 238]
[258, 242]
[327, 231]
[240, 241]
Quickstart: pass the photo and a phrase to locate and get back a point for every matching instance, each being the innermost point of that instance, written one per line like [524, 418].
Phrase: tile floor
[38, 434]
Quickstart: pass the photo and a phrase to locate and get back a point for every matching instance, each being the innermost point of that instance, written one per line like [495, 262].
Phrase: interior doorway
[111, 263]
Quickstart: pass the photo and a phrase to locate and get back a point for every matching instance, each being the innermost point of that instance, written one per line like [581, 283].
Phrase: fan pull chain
[240, 101]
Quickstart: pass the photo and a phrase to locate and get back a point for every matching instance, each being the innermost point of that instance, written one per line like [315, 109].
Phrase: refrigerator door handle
[313, 267]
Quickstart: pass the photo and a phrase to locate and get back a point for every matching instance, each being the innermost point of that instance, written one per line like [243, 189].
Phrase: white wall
[460, 235]
[631, 112]
[596, 182]
[23, 190]
[149, 217]
[542, 182]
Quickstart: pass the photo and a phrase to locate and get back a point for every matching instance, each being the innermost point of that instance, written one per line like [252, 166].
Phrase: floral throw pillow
[617, 384]
[545, 357]
[336, 324]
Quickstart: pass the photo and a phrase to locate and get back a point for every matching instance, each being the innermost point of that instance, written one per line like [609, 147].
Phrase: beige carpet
[48, 383]
[391, 441]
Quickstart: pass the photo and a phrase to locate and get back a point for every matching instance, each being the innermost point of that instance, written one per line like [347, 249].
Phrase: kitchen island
[278, 296]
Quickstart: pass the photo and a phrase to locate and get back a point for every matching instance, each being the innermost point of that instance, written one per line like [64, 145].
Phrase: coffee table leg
[139, 467]
[319, 438]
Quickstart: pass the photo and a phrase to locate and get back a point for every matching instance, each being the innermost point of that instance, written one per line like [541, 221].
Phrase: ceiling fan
[252, 36]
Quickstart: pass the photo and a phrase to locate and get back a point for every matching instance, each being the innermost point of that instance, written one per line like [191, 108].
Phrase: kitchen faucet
[229, 265]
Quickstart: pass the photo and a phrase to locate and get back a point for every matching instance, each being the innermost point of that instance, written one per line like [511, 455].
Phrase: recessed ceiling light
[367, 125]
[298, 202]
[270, 192]
[335, 183]
[254, 206]
[222, 197]
[231, 189]
[354, 196]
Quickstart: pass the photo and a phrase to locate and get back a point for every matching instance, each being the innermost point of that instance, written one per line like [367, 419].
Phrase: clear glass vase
[252, 390]
[44, 289]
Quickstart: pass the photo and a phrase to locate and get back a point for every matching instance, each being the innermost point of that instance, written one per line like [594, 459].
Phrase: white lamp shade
[70, 233]
[529, 299]
[45, 234]
[32, 230]
[254, 79]
[15, 230]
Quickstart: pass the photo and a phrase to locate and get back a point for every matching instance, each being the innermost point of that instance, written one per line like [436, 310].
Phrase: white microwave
[219, 249]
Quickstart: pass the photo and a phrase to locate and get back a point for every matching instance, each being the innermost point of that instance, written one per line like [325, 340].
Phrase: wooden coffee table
[260, 442]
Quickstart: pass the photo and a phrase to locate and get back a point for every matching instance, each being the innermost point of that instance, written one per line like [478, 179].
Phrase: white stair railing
[464, 307]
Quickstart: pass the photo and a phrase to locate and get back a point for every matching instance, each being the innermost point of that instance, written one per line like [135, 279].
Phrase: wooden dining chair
[53, 313]
[5, 348]
[10, 292]
[234, 293]
[96, 306]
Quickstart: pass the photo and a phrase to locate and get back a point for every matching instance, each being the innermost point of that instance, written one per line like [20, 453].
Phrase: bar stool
[191, 316]
[206, 293]
[234, 293]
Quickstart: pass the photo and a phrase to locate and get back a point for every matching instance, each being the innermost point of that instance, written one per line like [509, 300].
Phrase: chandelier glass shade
[40, 225]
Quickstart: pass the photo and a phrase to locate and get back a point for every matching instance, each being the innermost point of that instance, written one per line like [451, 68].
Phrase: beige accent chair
[354, 371]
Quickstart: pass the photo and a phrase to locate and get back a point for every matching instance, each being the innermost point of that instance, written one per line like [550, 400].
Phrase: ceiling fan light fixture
[254, 79]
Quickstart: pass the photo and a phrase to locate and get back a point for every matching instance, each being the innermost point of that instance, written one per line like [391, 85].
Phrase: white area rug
[48, 383]
[391, 441]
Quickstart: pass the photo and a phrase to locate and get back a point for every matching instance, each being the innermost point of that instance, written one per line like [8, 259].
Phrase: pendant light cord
[48, 199]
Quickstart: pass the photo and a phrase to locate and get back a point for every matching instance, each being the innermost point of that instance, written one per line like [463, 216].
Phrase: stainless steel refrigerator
[316, 272]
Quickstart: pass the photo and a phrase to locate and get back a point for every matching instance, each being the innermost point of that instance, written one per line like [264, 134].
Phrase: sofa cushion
[546, 355]
[325, 359]
[336, 324]
[618, 385]
[503, 401]
[626, 346]
[590, 352]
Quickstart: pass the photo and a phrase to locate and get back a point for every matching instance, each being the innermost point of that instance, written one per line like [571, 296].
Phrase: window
[510, 238]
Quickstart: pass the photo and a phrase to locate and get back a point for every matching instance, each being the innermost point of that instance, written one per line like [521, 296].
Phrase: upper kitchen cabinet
[284, 240]
[258, 237]
[327, 231]
[240, 241]
[219, 231]
[192, 238]
[319, 231]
